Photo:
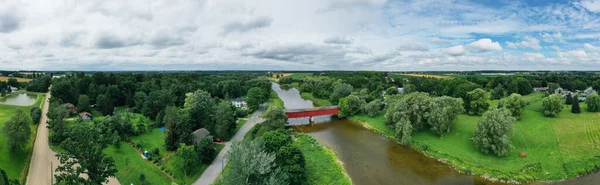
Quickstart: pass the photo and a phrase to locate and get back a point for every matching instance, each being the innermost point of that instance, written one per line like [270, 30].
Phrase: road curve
[44, 160]
[212, 172]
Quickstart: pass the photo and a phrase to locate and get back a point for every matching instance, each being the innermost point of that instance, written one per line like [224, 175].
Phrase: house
[59, 76]
[401, 90]
[200, 133]
[540, 89]
[71, 108]
[85, 116]
[13, 89]
[588, 92]
[558, 91]
[239, 103]
[10, 75]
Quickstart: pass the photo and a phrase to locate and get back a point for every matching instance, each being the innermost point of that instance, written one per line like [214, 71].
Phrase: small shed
[200, 133]
[85, 116]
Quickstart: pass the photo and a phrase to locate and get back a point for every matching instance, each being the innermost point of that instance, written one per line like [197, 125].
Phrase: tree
[575, 109]
[593, 102]
[139, 99]
[596, 85]
[35, 114]
[552, 105]
[391, 91]
[493, 132]
[83, 103]
[498, 92]
[17, 130]
[275, 139]
[251, 164]
[579, 85]
[339, 91]
[477, 102]
[13, 82]
[83, 156]
[156, 101]
[411, 108]
[199, 110]
[142, 178]
[404, 131]
[569, 99]
[206, 150]
[442, 113]
[188, 156]
[256, 97]
[101, 104]
[224, 120]
[525, 87]
[172, 120]
[3, 177]
[350, 106]
[553, 87]
[275, 118]
[515, 104]
[291, 161]
[373, 108]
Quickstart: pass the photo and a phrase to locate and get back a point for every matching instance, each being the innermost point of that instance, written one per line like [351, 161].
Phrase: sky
[382, 35]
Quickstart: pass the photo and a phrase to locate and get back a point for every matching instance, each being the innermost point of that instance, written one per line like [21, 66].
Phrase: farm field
[274, 76]
[16, 163]
[556, 148]
[425, 75]
[4, 78]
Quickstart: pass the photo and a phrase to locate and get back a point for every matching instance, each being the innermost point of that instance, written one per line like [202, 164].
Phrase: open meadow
[4, 79]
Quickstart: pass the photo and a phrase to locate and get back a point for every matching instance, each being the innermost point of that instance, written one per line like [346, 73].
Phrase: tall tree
[443, 111]
[575, 107]
[339, 91]
[552, 105]
[350, 106]
[261, 169]
[139, 99]
[569, 99]
[224, 120]
[478, 102]
[493, 132]
[172, 120]
[188, 156]
[83, 103]
[275, 118]
[35, 114]
[156, 101]
[593, 102]
[256, 97]
[199, 109]
[515, 104]
[17, 130]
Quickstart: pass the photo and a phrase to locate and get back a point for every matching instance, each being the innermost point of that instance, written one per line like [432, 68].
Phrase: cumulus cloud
[589, 47]
[338, 40]
[439, 41]
[165, 38]
[239, 26]
[412, 47]
[529, 42]
[483, 45]
[455, 50]
[547, 37]
[333, 4]
[591, 5]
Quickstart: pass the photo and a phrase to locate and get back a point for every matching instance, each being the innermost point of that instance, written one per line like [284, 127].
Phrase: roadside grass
[556, 148]
[322, 165]
[318, 102]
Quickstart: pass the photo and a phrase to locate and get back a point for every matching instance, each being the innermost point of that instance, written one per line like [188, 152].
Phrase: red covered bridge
[310, 112]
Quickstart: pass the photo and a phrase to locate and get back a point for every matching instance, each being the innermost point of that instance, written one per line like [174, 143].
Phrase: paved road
[212, 172]
[43, 159]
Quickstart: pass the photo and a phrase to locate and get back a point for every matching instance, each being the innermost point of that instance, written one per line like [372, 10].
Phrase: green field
[318, 102]
[297, 76]
[322, 166]
[16, 163]
[556, 148]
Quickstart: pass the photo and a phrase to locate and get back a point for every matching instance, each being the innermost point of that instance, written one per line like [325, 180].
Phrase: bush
[493, 132]
[36, 114]
[593, 102]
[552, 105]
[137, 144]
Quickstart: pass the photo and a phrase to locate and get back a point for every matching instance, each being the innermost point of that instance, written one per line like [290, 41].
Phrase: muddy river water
[372, 159]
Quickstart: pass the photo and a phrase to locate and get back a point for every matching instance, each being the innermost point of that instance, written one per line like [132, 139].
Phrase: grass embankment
[154, 138]
[5, 79]
[317, 102]
[16, 163]
[556, 148]
[274, 99]
[322, 165]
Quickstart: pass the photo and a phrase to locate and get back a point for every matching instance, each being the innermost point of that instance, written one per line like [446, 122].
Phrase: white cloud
[412, 47]
[454, 50]
[338, 40]
[483, 45]
[589, 47]
[591, 5]
[529, 42]
[547, 37]
[439, 41]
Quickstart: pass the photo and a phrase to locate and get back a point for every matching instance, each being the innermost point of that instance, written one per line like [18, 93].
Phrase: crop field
[426, 75]
[4, 78]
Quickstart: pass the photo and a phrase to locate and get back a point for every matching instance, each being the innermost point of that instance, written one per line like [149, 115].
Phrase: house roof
[201, 133]
[237, 100]
[85, 114]
[69, 105]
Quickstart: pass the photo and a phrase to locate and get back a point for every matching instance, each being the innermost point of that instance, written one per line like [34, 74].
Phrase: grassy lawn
[130, 173]
[318, 102]
[297, 76]
[16, 163]
[322, 165]
[556, 148]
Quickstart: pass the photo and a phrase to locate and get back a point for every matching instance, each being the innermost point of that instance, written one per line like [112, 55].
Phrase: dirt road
[43, 160]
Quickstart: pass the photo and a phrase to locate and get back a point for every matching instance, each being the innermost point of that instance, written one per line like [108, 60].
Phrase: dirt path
[43, 159]
[212, 172]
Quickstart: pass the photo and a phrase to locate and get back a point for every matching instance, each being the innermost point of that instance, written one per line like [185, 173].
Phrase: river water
[372, 159]
[19, 99]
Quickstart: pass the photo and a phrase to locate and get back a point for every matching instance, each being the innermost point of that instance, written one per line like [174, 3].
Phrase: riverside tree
[256, 96]
[350, 106]
[552, 105]
[17, 130]
[593, 102]
[275, 118]
[373, 108]
[443, 111]
[251, 164]
[515, 104]
[477, 102]
[493, 132]
[339, 91]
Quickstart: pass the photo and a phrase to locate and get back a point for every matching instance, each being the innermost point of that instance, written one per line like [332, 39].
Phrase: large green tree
[593, 102]
[83, 103]
[156, 101]
[251, 164]
[350, 106]
[35, 114]
[339, 91]
[17, 130]
[552, 105]
[173, 128]
[275, 118]
[515, 104]
[493, 132]
[139, 99]
[373, 108]
[256, 97]
[575, 107]
[188, 157]
[224, 120]
[478, 102]
[443, 111]
[199, 109]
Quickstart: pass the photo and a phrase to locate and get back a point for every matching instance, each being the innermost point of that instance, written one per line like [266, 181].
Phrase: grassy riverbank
[318, 102]
[16, 163]
[322, 165]
[556, 148]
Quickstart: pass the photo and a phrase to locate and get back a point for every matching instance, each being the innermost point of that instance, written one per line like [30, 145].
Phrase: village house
[540, 89]
[239, 103]
[71, 108]
[200, 133]
[85, 116]
[13, 89]
[588, 92]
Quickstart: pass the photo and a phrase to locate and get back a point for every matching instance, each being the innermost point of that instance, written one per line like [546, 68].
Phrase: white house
[239, 103]
[13, 89]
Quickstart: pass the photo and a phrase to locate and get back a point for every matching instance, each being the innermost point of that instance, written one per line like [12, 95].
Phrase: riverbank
[322, 164]
[557, 148]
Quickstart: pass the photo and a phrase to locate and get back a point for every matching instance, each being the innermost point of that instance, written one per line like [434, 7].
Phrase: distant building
[540, 89]
[588, 92]
[13, 89]
[85, 116]
[71, 108]
[558, 90]
[59, 76]
[10, 75]
[239, 103]
[200, 133]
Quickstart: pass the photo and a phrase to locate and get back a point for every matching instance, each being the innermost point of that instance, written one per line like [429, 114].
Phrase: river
[372, 159]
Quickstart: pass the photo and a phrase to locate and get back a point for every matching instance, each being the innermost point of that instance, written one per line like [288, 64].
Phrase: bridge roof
[312, 109]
